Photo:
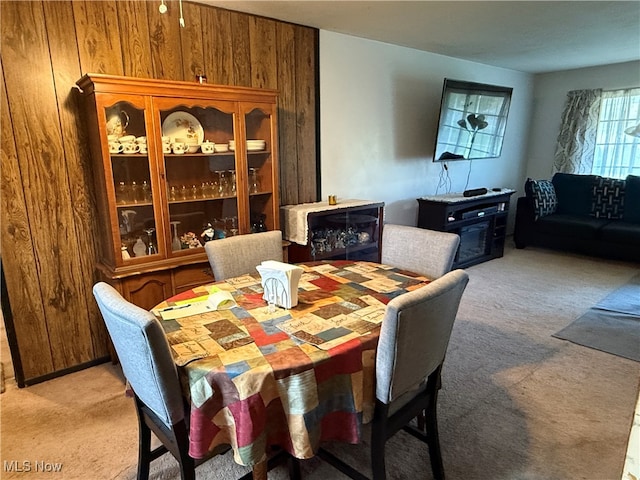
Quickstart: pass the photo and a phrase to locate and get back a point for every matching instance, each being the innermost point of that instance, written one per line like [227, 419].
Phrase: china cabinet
[177, 164]
[350, 230]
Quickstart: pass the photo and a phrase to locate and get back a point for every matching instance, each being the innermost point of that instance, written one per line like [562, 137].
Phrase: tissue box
[280, 283]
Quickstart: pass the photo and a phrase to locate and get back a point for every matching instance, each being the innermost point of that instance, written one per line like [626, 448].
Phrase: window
[617, 148]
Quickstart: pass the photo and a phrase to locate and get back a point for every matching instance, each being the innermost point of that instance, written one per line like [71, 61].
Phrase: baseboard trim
[59, 373]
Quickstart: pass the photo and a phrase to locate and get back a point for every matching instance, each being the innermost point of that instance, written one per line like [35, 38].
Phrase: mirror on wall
[472, 121]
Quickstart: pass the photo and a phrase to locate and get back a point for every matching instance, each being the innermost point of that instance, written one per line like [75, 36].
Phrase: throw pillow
[543, 196]
[574, 192]
[632, 199]
[608, 198]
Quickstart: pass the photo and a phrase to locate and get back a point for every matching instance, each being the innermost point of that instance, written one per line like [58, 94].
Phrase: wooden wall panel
[98, 36]
[306, 91]
[63, 48]
[262, 40]
[191, 42]
[40, 153]
[18, 257]
[287, 114]
[241, 47]
[136, 49]
[50, 227]
[218, 46]
[164, 32]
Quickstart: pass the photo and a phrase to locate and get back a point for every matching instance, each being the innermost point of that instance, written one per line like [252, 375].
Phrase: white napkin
[280, 282]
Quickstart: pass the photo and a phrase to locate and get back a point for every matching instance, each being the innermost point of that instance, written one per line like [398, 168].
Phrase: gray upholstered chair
[147, 364]
[413, 341]
[234, 256]
[428, 252]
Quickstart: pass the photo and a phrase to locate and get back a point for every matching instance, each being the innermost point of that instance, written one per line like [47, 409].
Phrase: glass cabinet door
[199, 163]
[260, 171]
[130, 176]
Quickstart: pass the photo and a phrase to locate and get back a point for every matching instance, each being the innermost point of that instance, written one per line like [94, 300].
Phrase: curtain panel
[577, 138]
[618, 146]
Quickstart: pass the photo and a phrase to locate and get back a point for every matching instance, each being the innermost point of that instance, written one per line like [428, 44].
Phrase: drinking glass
[254, 187]
[151, 248]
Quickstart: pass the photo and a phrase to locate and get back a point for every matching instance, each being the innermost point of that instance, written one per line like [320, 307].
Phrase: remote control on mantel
[474, 191]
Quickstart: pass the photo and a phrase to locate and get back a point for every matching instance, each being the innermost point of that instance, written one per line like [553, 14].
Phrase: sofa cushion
[543, 197]
[620, 232]
[574, 193]
[608, 198]
[563, 225]
[632, 199]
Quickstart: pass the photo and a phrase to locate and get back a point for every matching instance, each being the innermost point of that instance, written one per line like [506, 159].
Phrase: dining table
[257, 376]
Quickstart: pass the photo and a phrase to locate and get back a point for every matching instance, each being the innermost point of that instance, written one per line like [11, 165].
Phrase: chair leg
[294, 468]
[378, 440]
[144, 449]
[187, 464]
[420, 421]
[433, 438]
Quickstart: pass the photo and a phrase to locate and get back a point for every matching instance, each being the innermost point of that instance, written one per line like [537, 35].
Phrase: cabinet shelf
[345, 252]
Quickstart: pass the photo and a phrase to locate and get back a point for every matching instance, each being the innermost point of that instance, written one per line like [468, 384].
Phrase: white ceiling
[528, 36]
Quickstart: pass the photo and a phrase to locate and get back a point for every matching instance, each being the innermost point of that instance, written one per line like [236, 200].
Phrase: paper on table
[221, 300]
[217, 300]
[180, 311]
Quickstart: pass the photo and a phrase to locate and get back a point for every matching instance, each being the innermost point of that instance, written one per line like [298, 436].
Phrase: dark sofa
[581, 213]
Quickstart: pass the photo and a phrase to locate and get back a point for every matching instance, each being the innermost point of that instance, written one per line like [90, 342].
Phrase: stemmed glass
[175, 242]
[254, 187]
[151, 248]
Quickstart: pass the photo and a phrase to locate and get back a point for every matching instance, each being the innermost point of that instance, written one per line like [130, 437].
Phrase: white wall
[550, 93]
[379, 107]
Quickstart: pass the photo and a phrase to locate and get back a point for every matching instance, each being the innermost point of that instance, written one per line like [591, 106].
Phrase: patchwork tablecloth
[258, 376]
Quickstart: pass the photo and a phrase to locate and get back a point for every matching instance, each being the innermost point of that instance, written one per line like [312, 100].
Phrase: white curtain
[617, 146]
[577, 137]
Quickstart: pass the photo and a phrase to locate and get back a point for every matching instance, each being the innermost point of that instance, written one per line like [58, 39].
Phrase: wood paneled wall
[49, 224]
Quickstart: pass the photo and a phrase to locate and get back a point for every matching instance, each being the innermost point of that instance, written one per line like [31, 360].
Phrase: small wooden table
[257, 378]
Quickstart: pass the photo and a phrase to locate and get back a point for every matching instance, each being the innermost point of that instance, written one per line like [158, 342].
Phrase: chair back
[234, 256]
[415, 334]
[143, 352]
[427, 252]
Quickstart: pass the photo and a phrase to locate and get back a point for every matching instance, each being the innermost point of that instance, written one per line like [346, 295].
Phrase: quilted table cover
[258, 376]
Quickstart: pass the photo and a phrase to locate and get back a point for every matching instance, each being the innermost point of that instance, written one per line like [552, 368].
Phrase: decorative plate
[182, 124]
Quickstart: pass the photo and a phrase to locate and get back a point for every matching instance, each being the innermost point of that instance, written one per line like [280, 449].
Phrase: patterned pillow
[543, 195]
[608, 198]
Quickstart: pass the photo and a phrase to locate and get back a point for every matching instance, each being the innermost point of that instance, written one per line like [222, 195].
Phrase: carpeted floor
[516, 402]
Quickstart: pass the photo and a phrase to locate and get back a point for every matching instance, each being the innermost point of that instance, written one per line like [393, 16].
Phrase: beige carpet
[516, 403]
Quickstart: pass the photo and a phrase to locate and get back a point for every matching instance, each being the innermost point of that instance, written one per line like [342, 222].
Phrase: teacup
[130, 147]
[112, 138]
[143, 147]
[141, 140]
[207, 147]
[166, 147]
[115, 147]
[166, 139]
[127, 139]
[179, 147]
